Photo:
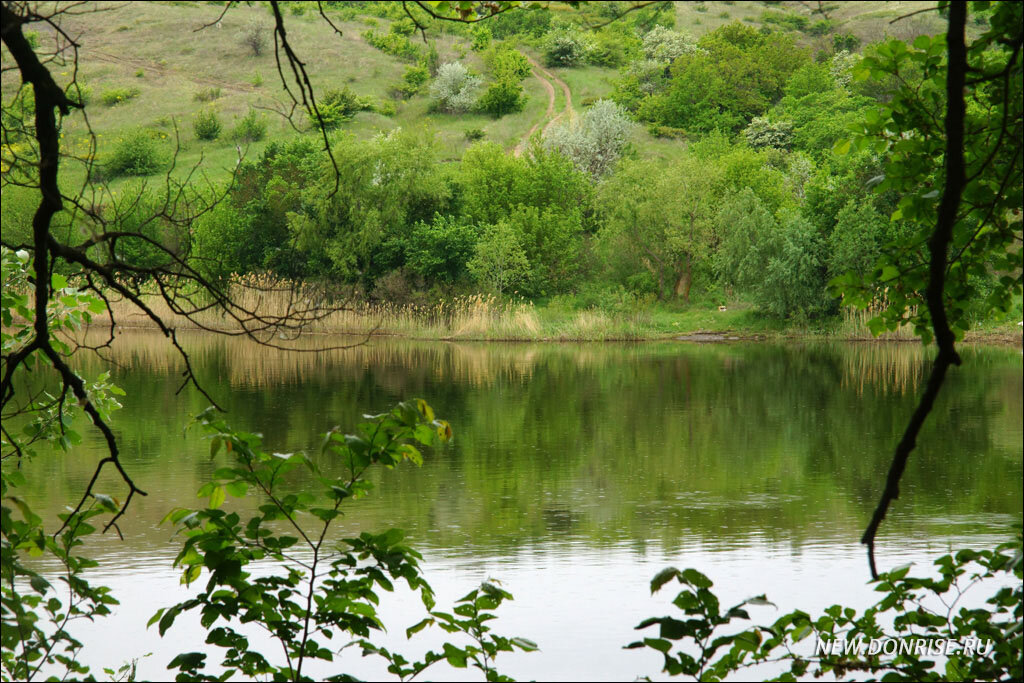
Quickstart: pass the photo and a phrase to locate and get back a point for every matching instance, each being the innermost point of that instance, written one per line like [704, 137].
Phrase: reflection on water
[578, 471]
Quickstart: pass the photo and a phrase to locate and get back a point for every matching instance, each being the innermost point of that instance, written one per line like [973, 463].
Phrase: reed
[854, 325]
[320, 311]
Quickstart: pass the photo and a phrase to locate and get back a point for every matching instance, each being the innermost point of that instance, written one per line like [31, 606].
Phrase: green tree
[499, 262]
[663, 217]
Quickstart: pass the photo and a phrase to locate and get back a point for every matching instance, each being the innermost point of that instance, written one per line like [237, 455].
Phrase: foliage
[925, 610]
[781, 264]
[395, 44]
[454, 88]
[439, 250]
[908, 130]
[35, 614]
[595, 141]
[663, 45]
[116, 96]
[250, 128]
[661, 218]
[413, 80]
[565, 47]
[354, 230]
[503, 96]
[507, 63]
[321, 589]
[206, 124]
[761, 132]
[337, 106]
[139, 153]
[481, 38]
[736, 74]
[499, 262]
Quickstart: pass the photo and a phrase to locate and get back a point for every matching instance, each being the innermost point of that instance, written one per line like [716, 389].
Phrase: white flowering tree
[455, 88]
[595, 141]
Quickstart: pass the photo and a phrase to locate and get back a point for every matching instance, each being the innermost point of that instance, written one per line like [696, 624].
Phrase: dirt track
[549, 115]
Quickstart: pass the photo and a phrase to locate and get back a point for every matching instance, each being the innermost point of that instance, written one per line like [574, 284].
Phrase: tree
[595, 141]
[954, 144]
[663, 217]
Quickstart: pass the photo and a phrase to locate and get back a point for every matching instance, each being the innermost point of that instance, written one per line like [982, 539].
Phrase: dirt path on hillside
[165, 71]
[549, 115]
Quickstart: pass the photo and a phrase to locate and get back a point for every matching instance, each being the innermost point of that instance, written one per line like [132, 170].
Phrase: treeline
[757, 202]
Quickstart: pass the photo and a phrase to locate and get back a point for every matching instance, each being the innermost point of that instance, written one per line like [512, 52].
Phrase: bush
[413, 80]
[250, 128]
[137, 153]
[207, 95]
[338, 106]
[403, 27]
[116, 96]
[254, 37]
[385, 108]
[664, 46]
[481, 38]
[206, 124]
[764, 133]
[393, 44]
[595, 141]
[474, 134]
[507, 63]
[454, 89]
[502, 97]
[565, 48]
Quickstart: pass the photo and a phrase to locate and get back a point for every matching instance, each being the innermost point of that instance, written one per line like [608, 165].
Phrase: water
[576, 473]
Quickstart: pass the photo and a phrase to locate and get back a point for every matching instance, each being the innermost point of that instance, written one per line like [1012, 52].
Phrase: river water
[576, 473]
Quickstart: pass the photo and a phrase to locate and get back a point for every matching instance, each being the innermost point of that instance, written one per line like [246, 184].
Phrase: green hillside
[162, 51]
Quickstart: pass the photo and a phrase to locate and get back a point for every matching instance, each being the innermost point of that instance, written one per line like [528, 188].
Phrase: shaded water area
[576, 473]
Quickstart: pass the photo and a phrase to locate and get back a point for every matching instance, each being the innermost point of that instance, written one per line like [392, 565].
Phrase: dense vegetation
[747, 199]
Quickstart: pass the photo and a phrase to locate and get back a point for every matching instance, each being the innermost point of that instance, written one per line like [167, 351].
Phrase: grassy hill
[159, 52]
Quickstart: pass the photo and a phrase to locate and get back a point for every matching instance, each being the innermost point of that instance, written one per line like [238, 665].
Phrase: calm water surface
[576, 473]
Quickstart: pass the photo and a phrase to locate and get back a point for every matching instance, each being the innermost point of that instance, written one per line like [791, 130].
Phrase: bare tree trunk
[684, 281]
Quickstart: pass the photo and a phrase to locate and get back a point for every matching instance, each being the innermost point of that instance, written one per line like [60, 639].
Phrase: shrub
[137, 153]
[250, 128]
[504, 96]
[845, 41]
[565, 48]
[393, 44]
[206, 124]
[474, 134]
[139, 73]
[116, 96]
[413, 80]
[595, 141]
[254, 37]
[764, 133]
[257, 80]
[481, 38]
[338, 106]
[664, 45]
[207, 95]
[454, 89]
[507, 63]
[403, 27]
[385, 108]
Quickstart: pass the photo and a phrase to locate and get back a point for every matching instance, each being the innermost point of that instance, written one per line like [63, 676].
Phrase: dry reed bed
[475, 317]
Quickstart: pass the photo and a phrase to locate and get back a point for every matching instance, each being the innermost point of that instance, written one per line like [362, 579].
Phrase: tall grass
[854, 325]
[472, 317]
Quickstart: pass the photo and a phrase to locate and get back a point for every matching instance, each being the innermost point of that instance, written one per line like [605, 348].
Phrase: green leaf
[663, 577]
[217, 497]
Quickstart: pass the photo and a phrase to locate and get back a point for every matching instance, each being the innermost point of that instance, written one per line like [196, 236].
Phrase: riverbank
[487, 318]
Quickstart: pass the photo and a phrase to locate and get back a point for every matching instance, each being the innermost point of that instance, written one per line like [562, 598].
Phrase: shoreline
[701, 336]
